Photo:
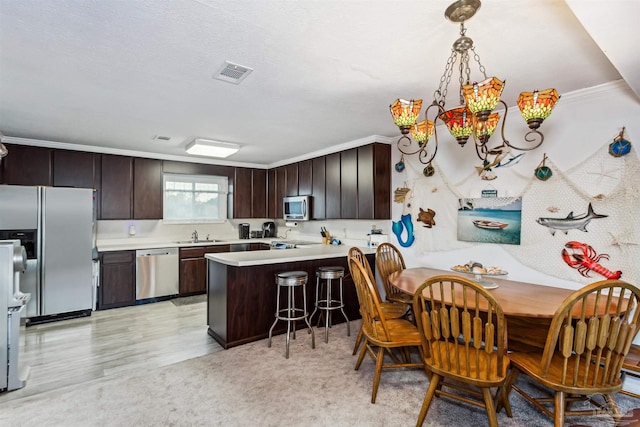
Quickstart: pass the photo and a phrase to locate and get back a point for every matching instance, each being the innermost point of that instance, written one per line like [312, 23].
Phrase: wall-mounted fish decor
[499, 159]
[570, 222]
[426, 217]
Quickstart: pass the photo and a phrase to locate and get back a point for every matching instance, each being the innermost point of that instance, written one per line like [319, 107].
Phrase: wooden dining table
[528, 307]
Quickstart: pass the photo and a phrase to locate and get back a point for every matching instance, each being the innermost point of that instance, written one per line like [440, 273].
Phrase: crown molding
[334, 149]
[121, 152]
[594, 92]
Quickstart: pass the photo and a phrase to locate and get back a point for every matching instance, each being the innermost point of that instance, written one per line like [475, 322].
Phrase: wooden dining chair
[589, 337]
[389, 260]
[395, 337]
[391, 310]
[464, 343]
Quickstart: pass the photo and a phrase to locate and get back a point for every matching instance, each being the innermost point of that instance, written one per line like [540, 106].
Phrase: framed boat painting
[490, 220]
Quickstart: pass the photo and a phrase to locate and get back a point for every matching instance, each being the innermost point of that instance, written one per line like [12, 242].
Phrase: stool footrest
[330, 305]
[291, 311]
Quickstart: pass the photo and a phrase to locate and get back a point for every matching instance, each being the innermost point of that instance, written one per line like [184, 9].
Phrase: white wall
[581, 124]
[350, 232]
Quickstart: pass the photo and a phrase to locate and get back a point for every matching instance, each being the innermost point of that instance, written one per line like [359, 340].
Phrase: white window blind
[195, 198]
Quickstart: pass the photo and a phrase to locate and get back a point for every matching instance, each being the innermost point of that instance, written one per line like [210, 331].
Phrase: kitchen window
[195, 198]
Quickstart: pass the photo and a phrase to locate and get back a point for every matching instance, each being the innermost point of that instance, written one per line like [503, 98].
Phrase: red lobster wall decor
[584, 258]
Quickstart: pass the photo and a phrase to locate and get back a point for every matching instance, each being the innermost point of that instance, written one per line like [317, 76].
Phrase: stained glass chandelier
[475, 118]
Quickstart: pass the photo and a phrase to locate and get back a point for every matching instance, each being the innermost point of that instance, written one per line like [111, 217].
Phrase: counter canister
[243, 230]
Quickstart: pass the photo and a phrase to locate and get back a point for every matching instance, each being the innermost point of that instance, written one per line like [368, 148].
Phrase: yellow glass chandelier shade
[459, 121]
[422, 131]
[483, 96]
[405, 112]
[537, 105]
[487, 127]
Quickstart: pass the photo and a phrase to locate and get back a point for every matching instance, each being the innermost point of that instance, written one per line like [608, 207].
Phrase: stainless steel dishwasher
[156, 273]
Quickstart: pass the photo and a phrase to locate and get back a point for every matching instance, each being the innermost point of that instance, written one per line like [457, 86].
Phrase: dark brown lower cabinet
[193, 264]
[241, 301]
[193, 268]
[117, 279]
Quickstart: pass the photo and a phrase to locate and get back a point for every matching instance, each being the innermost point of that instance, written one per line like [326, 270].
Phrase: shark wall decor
[570, 222]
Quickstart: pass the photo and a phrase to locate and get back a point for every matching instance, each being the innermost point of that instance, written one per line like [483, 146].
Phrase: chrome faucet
[194, 236]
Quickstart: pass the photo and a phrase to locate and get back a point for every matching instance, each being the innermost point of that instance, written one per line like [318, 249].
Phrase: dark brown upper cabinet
[318, 188]
[354, 183]
[374, 181]
[332, 186]
[281, 182]
[250, 193]
[259, 193]
[117, 188]
[305, 177]
[242, 193]
[26, 165]
[349, 184]
[292, 179]
[75, 169]
[147, 188]
[272, 203]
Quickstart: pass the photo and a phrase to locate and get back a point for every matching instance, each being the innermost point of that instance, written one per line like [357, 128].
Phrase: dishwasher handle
[157, 252]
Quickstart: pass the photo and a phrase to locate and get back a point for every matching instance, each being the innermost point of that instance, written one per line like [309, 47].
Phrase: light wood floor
[111, 343]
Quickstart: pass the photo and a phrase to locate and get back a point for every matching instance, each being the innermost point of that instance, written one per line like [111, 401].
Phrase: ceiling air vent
[161, 138]
[232, 73]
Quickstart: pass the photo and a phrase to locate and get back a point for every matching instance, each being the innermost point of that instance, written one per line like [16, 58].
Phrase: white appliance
[296, 208]
[60, 278]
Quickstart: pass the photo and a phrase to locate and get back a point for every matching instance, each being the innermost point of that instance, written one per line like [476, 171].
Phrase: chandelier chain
[464, 59]
[476, 57]
[440, 94]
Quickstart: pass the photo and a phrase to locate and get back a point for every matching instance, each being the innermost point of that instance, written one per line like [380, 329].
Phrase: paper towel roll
[291, 224]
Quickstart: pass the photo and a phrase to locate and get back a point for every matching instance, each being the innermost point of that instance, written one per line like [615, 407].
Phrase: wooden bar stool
[291, 280]
[325, 302]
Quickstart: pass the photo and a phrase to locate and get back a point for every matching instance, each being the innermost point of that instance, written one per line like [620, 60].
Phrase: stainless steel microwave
[297, 208]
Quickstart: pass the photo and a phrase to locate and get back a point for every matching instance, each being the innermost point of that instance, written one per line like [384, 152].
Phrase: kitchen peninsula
[241, 289]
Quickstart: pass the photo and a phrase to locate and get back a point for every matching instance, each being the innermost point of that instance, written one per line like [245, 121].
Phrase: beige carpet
[254, 385]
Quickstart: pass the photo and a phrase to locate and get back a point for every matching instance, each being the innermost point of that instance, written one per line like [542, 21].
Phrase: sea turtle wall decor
[426, 217]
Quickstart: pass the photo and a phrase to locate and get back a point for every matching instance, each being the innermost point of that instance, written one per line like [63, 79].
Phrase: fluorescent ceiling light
[207, 147]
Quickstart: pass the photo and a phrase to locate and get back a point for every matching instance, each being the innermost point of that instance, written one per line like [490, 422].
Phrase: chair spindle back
[462, 327]
[373, 319]
[592, 332]
[389, 260]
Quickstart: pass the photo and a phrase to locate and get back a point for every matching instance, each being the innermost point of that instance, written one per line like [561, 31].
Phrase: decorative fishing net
[611, 185]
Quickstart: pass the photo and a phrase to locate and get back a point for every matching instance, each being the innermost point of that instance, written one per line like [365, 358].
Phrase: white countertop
[276, 256]
[110, 245]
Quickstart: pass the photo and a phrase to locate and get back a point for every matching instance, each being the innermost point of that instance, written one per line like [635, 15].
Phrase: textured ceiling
[113, 74]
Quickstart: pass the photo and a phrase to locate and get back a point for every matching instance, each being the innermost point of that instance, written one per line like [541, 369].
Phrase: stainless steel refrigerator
[59, 273]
